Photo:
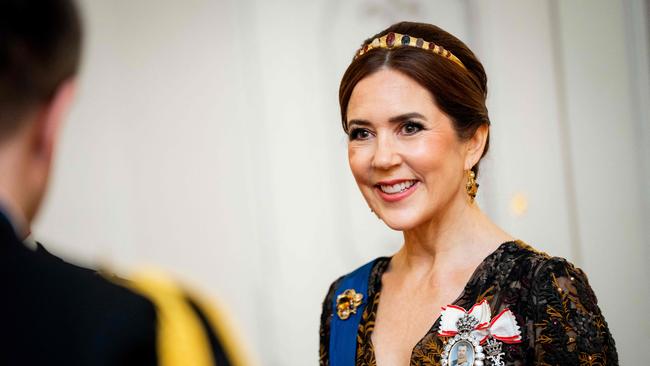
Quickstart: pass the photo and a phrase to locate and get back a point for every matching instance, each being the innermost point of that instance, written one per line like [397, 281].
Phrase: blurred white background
[206, 140]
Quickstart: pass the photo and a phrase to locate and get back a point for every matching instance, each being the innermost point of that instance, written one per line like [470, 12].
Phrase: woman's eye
[359, 134]
[411, 128]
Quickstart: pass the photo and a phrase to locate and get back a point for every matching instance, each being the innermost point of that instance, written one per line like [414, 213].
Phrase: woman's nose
[386, 154]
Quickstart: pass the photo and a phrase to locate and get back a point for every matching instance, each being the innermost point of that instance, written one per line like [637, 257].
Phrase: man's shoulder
[89, 286]
[48, 283]
[73, 314]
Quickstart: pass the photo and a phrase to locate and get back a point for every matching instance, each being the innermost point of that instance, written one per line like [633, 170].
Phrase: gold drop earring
[471, 186]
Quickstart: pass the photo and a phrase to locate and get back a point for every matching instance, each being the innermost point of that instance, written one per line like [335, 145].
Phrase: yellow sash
[181, 338]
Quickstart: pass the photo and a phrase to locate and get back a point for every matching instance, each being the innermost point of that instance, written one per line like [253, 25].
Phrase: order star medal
[463, 349]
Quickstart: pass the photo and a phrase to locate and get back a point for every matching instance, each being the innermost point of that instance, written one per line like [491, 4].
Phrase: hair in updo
[459, 93]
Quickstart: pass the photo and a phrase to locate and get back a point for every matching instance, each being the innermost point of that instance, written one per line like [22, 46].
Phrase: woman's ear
[476, 145]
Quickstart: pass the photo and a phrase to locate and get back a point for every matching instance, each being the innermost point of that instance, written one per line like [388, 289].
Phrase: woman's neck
[462, 237]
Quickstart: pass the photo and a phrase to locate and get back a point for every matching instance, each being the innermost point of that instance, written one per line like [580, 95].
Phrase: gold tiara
[393, 40]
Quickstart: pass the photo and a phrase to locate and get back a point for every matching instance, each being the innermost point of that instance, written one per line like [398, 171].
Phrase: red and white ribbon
[502, 327]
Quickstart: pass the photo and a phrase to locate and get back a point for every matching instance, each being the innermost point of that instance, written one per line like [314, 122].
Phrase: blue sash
[343, 333]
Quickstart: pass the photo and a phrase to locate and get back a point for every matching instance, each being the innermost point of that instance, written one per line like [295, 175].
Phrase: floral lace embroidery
[560, 320]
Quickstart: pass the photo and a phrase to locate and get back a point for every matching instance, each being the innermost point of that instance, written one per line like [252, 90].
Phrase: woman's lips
[396, 190]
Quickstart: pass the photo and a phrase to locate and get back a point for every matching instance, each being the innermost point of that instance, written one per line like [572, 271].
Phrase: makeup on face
[403, 151]
[397, 189]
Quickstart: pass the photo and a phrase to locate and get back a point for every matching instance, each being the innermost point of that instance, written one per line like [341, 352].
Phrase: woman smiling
[460, 290]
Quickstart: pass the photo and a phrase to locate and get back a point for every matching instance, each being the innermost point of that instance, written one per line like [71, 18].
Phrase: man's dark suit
[55, 313]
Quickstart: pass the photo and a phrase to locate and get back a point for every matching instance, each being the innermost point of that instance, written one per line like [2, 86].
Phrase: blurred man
[53, 312]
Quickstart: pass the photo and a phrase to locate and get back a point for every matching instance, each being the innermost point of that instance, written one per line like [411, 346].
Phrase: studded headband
[393, 40]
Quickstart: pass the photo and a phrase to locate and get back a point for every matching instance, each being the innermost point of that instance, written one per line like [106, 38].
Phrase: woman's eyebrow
[360, 122]
[405, 117]
[396, 119]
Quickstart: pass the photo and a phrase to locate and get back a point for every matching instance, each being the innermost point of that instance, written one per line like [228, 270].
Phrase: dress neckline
[377, 287]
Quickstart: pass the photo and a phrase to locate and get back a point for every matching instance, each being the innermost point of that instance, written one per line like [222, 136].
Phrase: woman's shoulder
[564, 310]
[556, 281]
[371, 274]
[519, 258]
[540, 265]
[534, 280]
[371, 270]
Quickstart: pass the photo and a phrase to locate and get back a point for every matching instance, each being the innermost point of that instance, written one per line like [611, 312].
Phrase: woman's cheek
[359, 164]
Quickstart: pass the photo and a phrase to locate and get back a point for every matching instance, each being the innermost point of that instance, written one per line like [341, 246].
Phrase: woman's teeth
[397, 188]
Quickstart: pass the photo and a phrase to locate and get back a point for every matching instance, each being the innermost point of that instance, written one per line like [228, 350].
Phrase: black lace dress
[551, 299]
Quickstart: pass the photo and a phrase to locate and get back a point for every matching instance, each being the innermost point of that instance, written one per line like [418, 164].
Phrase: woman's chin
[400, 222]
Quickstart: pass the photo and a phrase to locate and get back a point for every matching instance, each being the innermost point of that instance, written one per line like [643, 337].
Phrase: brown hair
[458, 92]
[40, 45]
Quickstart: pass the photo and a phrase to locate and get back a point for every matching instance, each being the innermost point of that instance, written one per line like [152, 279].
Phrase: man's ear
[475, 146]
[50, 118]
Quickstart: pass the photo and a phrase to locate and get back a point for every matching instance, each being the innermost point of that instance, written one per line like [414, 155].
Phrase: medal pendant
[463, 349]
[493, 351]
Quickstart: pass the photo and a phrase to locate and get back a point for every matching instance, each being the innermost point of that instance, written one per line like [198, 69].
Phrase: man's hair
[40, 46]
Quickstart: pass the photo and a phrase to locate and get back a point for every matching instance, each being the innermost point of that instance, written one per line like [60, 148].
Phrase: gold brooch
[347, 303]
